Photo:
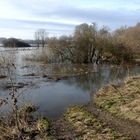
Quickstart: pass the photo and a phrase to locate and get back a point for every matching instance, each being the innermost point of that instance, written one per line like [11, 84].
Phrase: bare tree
[41, 37]
[85, 38]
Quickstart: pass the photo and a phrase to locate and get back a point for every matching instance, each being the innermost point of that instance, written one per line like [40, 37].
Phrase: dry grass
[124, 100]
[38, 55]
[29, 127]
[90, 128]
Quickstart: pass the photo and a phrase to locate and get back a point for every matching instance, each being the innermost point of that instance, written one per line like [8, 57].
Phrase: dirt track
[61, 129]
[123, 126]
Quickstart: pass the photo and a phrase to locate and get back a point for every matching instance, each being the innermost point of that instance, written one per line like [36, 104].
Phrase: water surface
[54, 96]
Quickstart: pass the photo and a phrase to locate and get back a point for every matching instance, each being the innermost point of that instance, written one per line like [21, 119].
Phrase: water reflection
[54, 97]
[79, 86]
[103, 76]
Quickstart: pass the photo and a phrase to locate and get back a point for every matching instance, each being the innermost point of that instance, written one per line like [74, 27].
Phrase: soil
[124, 126]
[62, 129]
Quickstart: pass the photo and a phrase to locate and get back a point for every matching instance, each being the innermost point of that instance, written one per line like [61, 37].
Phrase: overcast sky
[21, 18]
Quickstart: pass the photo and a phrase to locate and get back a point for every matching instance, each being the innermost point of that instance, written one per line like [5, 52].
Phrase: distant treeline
[13, 42]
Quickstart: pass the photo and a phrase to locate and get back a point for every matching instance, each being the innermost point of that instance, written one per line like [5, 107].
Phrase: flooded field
[54, 87]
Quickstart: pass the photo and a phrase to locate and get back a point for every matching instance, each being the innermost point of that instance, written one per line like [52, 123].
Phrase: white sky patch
[18, 33]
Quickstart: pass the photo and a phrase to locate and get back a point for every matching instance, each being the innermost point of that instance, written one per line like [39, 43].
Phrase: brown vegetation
[28, 127]
[90, 44]
[78, 123]
[123, 101]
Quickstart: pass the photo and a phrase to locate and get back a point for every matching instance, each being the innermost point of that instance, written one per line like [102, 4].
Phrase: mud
[123, 126]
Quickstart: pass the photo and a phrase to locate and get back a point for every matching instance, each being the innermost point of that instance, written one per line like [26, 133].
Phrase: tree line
[13, 43]
[90, 44]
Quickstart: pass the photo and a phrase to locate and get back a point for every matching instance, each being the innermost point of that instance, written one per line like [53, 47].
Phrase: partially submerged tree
[61, 48]
[85, 42]
[90, 44]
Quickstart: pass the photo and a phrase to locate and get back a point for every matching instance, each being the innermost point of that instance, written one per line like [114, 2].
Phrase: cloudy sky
[21, 18]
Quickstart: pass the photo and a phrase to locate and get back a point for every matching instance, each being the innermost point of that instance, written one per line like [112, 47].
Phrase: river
[73, 84]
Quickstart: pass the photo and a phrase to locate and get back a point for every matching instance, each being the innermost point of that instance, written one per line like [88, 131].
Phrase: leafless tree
[41, 37]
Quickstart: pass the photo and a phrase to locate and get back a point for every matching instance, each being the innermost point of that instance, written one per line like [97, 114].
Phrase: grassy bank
[123, 100]
[94, 122]
[23, 125]
[89, 127]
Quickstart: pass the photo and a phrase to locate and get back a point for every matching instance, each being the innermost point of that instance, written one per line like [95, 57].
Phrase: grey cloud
[60, 12]
[109, 17]
[34, 24]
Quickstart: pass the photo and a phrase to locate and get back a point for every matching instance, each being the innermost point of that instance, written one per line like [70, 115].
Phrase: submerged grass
[123, 101]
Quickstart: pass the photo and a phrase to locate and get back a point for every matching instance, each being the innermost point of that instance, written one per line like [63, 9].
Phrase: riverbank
[21, 124]
[113, 115]
[122, 101]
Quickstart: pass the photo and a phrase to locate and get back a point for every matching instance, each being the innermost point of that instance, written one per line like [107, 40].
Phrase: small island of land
[14, 43]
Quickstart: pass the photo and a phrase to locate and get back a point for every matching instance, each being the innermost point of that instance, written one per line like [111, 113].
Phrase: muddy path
[62, 129]
[123, 126]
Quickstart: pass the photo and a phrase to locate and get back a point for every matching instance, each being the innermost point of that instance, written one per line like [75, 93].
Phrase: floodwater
[54, 87]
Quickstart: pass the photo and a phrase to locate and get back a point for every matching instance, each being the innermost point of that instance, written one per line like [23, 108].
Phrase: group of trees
[13, 43]
[41, 38]
[90, 44]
